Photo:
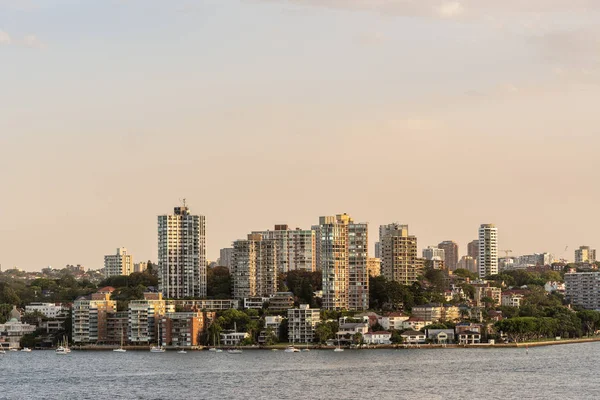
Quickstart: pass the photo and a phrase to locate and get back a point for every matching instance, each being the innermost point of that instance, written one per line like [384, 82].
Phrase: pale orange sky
[441, 115]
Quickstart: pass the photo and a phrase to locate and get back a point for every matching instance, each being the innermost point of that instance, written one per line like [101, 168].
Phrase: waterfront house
[379, 337]
[415, 323]
[233, 338]
[413, 337]
[12, 331]
[469, 337]
[347, 331]
[513, 298]
[393, 320]
[302, 322]
[440, 336]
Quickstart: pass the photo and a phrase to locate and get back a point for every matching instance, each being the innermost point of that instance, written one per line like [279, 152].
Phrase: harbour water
[553, 372]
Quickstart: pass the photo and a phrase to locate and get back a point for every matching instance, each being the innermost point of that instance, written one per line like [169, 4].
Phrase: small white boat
[120, 350]
[307, 349]
[13, 349]
[234, 351]
[291, 349]
[182, 352]
[2, 351]
[61, 350]
[218, 351]
[26, 350]
[157, 349]
[338, 349]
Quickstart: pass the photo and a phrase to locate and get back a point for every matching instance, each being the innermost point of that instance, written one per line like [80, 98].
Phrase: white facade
[225, 257]
[49, 310]
[11, 333]
[583, 289]
[488, 250]
[377, 338]
[117, 264]
[295, 248]
[302, 322]
[433, 253]
[585, 254]
[182, 254]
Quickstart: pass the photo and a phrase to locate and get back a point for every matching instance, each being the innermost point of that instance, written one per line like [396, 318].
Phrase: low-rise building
[256, 303]
[379, 337]
[413, 337]
[512, 298]
[233, 338]
[206, 304]
[302, 322]
[182, 329]
[347, 331]
[281, 301]
[50, 310]
[469, 337]
[415, 323]
[90, 317]
[484, 289]
[272, 325]
[13, 330]
[440, 336]
[144, 317]
[553, 286]
[393, 321]
[436, 312]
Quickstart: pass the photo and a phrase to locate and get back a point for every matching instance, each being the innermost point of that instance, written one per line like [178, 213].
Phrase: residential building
[13, 330]
[473, 249]
[206, 304]
[399, 260]
[585, 254]
[484, 289]
[233, 338]
[436, 312]
[469, 337]
[302, 322]
[50, 310]
[254, 267]
[347, 331]
[413, 337]
[182, 254]
[379, 337]
[116, 327]
[393, 320]
[488, 250]
[144, 317]
[512, 298]
[342, 254]
[90, 317]
[256, 303]
[273, 323]
[120, 263]
[450, 254]
[140, 267]
[469, 263]
[281, 301]
[225, 257]
[416, 323]
[553, 286]
[440, 336]
[296, 248]
[182, 329]
[583, 289]
[374, 266]
[433, 253]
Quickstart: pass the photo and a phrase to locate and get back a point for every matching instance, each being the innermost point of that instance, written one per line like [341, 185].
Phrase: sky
[438, 114]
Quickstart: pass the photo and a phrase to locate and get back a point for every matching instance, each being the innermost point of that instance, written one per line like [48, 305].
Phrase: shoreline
[282, 347]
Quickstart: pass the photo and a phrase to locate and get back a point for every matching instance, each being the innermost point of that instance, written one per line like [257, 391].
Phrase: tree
[396, 337]
[218, 282]
[465, 273]
[590, 321]
[5, 310]
[33, 318]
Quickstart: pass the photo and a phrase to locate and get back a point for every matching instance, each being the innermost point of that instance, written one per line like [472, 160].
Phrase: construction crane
[506, 252]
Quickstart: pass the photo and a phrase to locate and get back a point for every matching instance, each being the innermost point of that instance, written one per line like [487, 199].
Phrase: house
[483, 289]
[436, 312]
[440, 336]
[393, 321]
[347, 331]
[495, 316]
[468, 326]
[469, 337]
[13, 330]
[413, 337]
[370, 317]
[233, 338]
[415, 323]
[552, 286]
[272, 323]
[379, 337]
[512, 298]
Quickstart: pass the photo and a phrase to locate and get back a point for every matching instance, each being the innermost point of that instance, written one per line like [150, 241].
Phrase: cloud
[4, 38]
[32, 41]
[29, 40]
[372, 38]
[451, 10]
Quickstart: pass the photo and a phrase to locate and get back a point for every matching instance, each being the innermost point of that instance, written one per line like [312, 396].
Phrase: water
[554, 372]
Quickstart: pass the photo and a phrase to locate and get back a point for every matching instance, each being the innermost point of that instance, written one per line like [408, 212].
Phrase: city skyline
[419, 107]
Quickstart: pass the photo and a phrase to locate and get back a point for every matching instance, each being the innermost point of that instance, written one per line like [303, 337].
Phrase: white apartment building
[182, 254]
[120, 263]
[140, 267]
[225, 257]
[488, 250]
[583, 289]
[433, 253]
[254, 267]
[90, 317]
[295, 248]
[302, 322]
[50, 310]
[13, 330]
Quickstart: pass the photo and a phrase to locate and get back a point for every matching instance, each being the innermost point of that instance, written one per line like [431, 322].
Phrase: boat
[120, 349]
[63, 347]
[291, 349]
[218, 351]
[338, 348]
[2, 351]
[182, 351]
[215, 348]
[13, 349]
[157, 349]
[26, 350]
[234, 351]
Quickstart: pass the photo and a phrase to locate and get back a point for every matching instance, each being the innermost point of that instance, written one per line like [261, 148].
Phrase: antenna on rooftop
[183, 201]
